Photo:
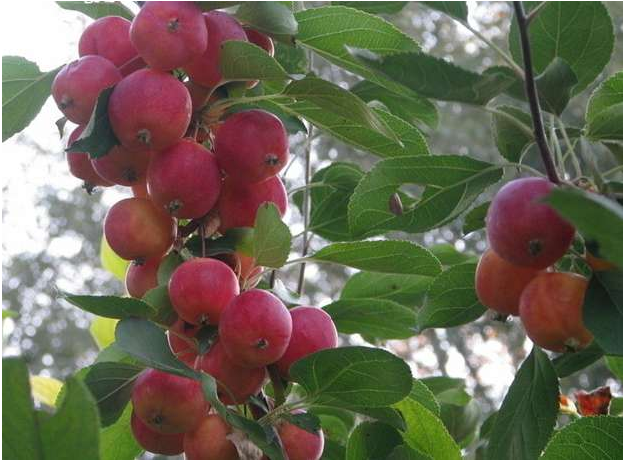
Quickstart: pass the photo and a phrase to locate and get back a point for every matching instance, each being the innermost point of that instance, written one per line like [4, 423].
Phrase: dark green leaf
[607, 125]
[147, 343]
[387, 415]
[415, 71]
[512, 130]
[609, 93]
[441, 384]
[337, 100]
[569, 363]
[615, 408]
[587, 50]
[98, 137]
[451, 299]
[353, 376]
[272, 18]
[461, 421]
[597, 218]
[163, 311]
[117, 441]
[588, 438]
[614, 363]
[452, 184]
[73, 431]
[381, 256]
[424, 396]
[331, 30]
[407, 290]
[271, 237]
[111, 386]
[410, 107]
[381, 319]
[24, 91]
[458, 10]
[111, 306]
[372, 440]
[244, 61]
[602, 310]
[475, 218]
[404, 452]
[98, 10]
[527, 416]
[385, 7]
[425, 431]
[20, 437]
[305, 421]
[555, 85]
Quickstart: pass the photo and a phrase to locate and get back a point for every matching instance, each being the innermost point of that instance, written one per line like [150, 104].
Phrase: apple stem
[278, 385]
[531, 92]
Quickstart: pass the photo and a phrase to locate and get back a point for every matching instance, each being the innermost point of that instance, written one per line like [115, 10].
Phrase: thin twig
[305, 210]
[531, 92]
[535, 11]
[278, 385]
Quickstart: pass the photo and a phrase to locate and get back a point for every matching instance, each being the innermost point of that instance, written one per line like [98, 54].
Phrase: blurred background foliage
[52, 227]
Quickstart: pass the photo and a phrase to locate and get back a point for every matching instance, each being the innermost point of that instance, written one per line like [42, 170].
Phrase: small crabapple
[255, 328]
[123, 167]
[155, 442]
[141, 276]
[168, 403]
[181, 339]
[80, 164]
[208, 441]
[300, 444]
[201, 288]
[108, 37]
[76, 87]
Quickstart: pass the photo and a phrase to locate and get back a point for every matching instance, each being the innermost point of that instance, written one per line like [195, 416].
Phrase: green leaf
[527, 416]
[614, 363]
[458, 10]
[372, 440]
[461, 421]
[410, 107]
[604, 110]
[452, 184]
[117, 441]
[103, 331]
[441, 384]
[415, 72]
[167, 266]
[73, 431]
[111, 306]
[45, 390]
[512, 132]
[587, 438]
[570, 363]
[587, 50]
[597, 218]
[385, 7]
[404, 452]
[111, 386]
[408, 290]
[98, 137]
[111, 262]
[330, 30]
[353, 376]
[147, 343]
[272, 18]
[425, 431]
[387, 415]
[9, 314]
[475, 218]
[329, 201]
[602, 310]
[243, 61]
[162, 308]
[24, 91]
[615, 408]
[424, 396]
[292, 58]
[448, 255]
[337, 100]
[381, 319]
[361, 137]
[271, 237]
[98, 10]
[381, 256]
[20, 438]
[451, 299]
[555, 85]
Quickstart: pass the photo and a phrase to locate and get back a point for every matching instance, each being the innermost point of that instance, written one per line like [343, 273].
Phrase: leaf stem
[515, 67]
[278, 385]
[531, 93]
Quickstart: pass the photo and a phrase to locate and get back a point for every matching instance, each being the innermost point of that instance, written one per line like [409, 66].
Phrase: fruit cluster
[164, 67]
[515, 276]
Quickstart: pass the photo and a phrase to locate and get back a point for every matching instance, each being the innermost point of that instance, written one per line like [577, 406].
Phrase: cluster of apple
[162, 155]
[515, 276]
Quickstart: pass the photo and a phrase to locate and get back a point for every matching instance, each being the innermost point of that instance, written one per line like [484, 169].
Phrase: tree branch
[531, 92]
